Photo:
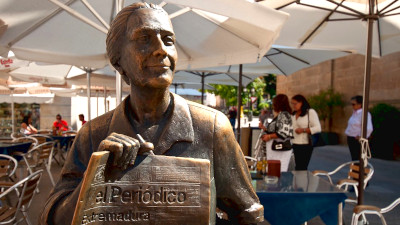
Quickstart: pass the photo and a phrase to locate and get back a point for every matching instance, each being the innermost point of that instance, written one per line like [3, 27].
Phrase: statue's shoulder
[196, 108]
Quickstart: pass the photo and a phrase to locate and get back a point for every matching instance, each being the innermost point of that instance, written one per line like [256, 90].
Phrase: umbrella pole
[202, 88]
[118, 87]
[367, 76]
[97, 101]
[239, 99]
[88, 71]
[12, 111]
[105, 99]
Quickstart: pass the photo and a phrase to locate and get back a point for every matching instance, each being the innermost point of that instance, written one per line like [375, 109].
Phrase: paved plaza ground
[382, 190]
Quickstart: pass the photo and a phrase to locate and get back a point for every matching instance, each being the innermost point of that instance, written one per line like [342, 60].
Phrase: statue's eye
[144, 38]
[169, 40]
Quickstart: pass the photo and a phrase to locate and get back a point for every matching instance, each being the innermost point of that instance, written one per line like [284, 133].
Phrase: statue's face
[148, 56]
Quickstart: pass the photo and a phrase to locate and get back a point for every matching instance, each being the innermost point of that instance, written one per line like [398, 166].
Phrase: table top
[295, 182]
[8, 144]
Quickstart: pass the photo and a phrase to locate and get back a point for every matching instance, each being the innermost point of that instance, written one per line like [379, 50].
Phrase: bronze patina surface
[141, 46]
[156, 190]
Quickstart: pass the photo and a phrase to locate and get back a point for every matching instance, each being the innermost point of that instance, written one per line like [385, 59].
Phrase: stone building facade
[346, 76]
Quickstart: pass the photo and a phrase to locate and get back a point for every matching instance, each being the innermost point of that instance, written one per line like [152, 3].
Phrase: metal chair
[8, 213]
[27, 139]
[251, 162]
[352, 176]
[40, 156]
[362, 210]
[8, 167]
[16, 135]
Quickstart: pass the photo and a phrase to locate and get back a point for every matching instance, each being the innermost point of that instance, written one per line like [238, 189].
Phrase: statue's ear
[122, 72]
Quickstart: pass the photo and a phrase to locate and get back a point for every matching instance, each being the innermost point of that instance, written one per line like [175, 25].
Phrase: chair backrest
[8, 166]
[43, 152]
[70, 132]
[16, 135]
[251, 162]
[354, 172]
[45, 132]
[27, 192]
[27, 139]
[42, 138]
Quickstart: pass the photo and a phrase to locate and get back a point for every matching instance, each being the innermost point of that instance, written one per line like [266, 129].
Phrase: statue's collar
[177, 129]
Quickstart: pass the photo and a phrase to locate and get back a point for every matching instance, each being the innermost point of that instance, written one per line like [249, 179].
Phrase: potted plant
[325, 103]
[384, 139]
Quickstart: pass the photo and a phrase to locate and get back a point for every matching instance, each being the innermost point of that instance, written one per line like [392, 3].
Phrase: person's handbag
[281, 145]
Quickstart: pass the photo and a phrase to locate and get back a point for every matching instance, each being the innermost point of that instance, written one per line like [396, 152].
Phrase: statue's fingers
[127, 145]
[113, 147]
[135, 150]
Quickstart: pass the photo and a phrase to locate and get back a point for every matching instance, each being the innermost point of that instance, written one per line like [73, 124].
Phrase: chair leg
[364, 219]
[382, 219]
[354, 219]
[51, 176]
[26, 218]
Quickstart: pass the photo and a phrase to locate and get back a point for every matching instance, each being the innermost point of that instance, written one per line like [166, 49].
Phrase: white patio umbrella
[209, 32]
[74, 32]
[366, 28]
[280, 60]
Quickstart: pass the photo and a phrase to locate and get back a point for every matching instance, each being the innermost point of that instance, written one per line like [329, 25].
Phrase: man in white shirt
[353, 130]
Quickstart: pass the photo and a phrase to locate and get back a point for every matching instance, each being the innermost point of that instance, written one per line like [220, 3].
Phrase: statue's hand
[123, 149]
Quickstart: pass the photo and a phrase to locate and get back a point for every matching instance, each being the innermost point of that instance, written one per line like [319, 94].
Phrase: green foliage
[385, 120]
[325, 102]
[229, 93]
[270, 84]
[383, 113]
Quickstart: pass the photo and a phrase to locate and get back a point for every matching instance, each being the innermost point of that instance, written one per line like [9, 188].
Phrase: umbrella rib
[294, 57]
[275, 65]
[381, 11]
[379, 38]
[96, 14]
[343, 19]
[348, 8]
[283, 6]
[385, 13]
[329, 10]
[79, 16]
[36, 25]
[319, 25]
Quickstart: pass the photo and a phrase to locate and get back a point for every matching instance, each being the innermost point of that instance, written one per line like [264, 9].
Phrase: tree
[324, 103]
[229, 93]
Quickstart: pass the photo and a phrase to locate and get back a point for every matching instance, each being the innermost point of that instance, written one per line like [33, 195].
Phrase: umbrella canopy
[211, 33]
[340, 25]
[279, 60]
[370, 29]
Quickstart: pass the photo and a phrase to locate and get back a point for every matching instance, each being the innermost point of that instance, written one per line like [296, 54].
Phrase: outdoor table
[299, 196]
[8, 148]
[63, 139]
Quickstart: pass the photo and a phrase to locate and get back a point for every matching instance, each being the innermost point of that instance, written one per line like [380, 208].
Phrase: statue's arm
[235, 193]
[60, 206]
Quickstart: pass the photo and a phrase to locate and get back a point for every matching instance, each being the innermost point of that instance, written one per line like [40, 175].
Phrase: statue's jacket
[191, 130]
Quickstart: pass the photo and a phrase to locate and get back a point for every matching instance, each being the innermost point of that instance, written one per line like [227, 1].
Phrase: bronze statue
[141, 46]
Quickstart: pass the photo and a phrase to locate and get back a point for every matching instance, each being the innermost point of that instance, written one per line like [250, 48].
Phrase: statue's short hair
[117, 30]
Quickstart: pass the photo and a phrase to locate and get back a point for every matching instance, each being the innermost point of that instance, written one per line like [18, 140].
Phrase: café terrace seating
[352, 176]
[362, 210]
[9, 211]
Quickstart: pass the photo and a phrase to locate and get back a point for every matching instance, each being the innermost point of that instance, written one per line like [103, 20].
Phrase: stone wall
[346, 75]
[48, 112]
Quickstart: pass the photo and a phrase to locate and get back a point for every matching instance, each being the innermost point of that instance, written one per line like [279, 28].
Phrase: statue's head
[141, 46]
